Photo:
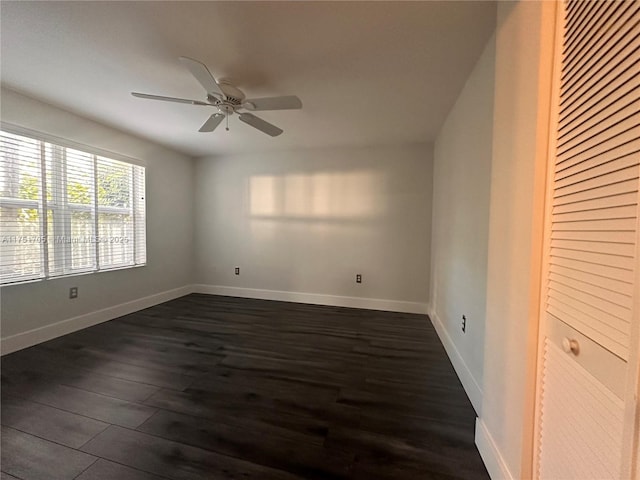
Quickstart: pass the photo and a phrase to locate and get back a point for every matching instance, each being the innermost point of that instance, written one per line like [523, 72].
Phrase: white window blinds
[64, 211]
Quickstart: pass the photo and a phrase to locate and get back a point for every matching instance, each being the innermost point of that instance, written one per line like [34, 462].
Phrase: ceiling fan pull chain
[227, 123]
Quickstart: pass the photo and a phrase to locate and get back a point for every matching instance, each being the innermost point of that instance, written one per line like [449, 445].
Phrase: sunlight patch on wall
[317, 196]
[262, 196]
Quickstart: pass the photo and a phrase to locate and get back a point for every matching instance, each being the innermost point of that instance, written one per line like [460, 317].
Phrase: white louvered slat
[604, 69]
[579, 21]
[630, 147]
[559, 423]
[593, 60]
[620, 87]
[611, 225]
[593, 307]
[581, 422]
[603, 420]
[574, 272]
[594, 167]
[571, 8]
[589, 294]
[616, 176]
[608, 133]
[608, 248]
[583, 26]
[618, 139]
[597, 193]
[588, 126]
[621, 237]
[616, 261]
[625, 211]
[589, 48]
[590, 286]
[595, 178]
[606, 446]
[603, 271]
[630, 198]
[622, 314]
[580, 26]
[573, 12]
[579, 14]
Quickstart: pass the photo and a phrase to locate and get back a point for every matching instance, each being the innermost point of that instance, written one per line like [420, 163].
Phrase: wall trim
[491, 456]
[474, 391]
[33, 337]
[48, 332]
[313, 298]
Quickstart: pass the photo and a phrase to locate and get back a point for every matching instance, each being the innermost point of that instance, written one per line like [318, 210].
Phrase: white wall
[520, 138]
[169, 227]
[309, 220]
[461, 186]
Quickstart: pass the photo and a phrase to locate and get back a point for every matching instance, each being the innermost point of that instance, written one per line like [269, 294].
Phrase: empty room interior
[320, 240]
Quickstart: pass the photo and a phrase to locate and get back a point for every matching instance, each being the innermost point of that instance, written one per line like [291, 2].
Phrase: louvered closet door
[592, 242]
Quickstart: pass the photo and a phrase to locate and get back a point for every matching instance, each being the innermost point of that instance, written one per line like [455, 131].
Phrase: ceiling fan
[228, 100]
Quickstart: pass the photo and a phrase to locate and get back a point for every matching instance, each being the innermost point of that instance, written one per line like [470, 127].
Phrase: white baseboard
[474, 391]
[496, 466]
[48, 332]
[314, 298]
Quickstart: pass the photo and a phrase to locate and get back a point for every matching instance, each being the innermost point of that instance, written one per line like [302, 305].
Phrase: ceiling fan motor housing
[234, 98]
[234, 95]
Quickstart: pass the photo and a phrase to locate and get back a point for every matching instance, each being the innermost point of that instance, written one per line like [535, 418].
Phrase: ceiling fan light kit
[229, 100]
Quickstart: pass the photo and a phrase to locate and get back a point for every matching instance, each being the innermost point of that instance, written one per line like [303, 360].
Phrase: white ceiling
[368, 73]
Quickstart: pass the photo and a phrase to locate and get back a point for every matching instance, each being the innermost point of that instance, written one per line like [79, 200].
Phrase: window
[65, 211]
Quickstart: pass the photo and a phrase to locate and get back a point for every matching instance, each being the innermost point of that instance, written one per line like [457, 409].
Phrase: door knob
[570, 345]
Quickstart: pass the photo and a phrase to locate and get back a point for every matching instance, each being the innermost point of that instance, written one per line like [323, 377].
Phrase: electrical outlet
[464, 323]
[358, 278]
[73, 292]
[237, 270]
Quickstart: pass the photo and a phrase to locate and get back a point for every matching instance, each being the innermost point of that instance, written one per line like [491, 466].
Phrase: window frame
[61, 209]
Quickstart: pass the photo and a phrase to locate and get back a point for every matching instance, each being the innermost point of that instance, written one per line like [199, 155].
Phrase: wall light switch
[73, 292]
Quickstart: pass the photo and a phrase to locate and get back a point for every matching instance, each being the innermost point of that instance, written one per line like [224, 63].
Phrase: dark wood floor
[207, 387]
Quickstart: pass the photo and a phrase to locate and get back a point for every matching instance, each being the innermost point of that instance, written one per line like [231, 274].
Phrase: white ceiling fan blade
[260, 124]
[169, 99]
[203, 75]
[287, 102]
[212, 122]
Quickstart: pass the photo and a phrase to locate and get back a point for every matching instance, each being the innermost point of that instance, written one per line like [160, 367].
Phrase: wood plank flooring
[208, 387]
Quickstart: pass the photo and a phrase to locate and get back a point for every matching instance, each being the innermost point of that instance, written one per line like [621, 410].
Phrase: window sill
[68, 275]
